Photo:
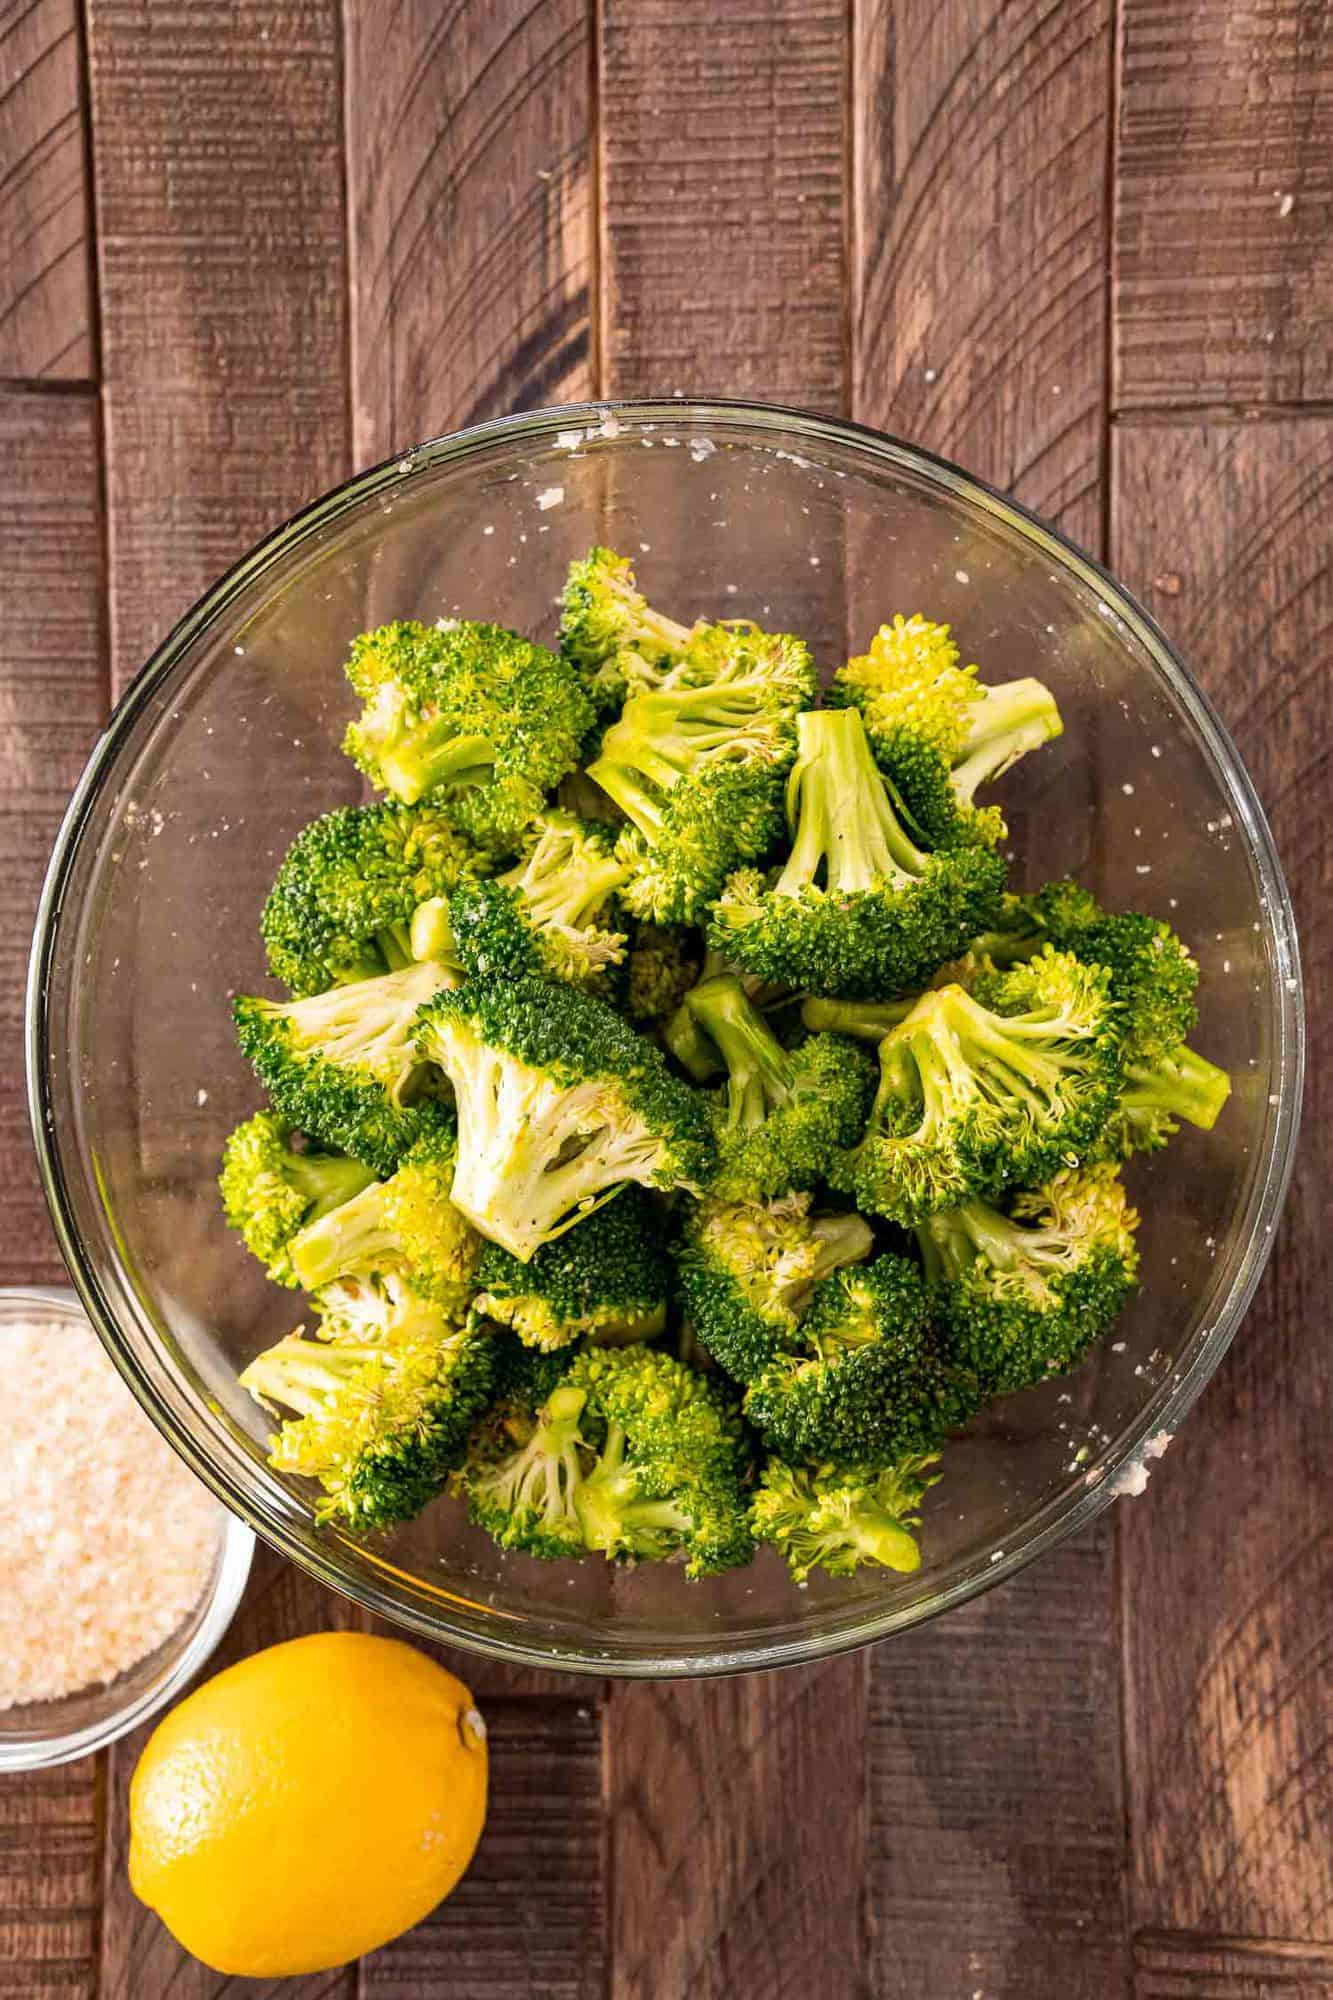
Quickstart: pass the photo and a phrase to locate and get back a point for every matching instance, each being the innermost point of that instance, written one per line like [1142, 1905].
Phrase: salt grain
[107, 1542]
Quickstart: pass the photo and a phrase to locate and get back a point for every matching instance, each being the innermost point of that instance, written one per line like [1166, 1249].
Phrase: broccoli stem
[395, 946]
[326, 1182]
[693, 1049]
[431, 755]
[301, 1376]
[610, 1515]
[877, 1537]
[572, 894]
[846, 837]
[865, 1020]
[840, 1240]
[759, 1068]
[1003, 726]
[660, 737]
[1183, 1084]
[352, 1236]
[431, 936]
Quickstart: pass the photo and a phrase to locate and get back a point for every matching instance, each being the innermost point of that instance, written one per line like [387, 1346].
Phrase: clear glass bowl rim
[33, 1753]
[1068, 1511]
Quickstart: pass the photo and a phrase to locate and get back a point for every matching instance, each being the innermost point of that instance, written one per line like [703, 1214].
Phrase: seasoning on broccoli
[270, 1190]
[835, 1518]
[938, 732]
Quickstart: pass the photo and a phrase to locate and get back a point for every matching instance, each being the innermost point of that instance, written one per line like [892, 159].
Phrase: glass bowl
[228, 742]
[38, 1733]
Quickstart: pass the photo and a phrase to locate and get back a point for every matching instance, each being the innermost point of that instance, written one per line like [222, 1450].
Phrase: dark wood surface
[246, 245]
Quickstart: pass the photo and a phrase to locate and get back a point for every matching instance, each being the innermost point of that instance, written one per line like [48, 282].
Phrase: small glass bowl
[37, 1733]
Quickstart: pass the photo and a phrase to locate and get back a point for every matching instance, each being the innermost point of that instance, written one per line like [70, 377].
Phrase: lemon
[308, 1804]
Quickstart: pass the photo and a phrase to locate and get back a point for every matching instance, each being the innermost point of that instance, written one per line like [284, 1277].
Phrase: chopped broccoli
[865, 1382]
[548, 914]
[697, 766]
[1025, 1295]
[864, 1020]
[748, 1271]
[382, 1306]
[606, 1280]
[522, 1471]
[559, 1103]
[979, 1092]
[481, 720]
[857, 910]
[342, 905]
[380, 1426]
[610, 631]
[835, 1518]
[270, 1190]
[406, 1224]
[664, 962]
[938, 732]
[341, 1065]
[781, 1116]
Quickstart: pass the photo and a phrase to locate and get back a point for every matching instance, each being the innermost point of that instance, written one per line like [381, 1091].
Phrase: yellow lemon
[308, 1804]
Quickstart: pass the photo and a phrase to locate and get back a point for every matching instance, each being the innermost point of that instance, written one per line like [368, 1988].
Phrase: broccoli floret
[748, 1272]
[836, 1518]
[611, 633]
[406, 1224]
[522, 1471]
[1180, 1084]
[937, 732]
[664, 962]
[865, 1382]
[483, 721]
[697, 766]
[606, 1280]
[979, 1092]
[548, 914]
[270, 1190]
[1025, 1295]
[559, 1104]
[857, 910]
[341, 1066]
[342, 905]
[379, 1426]
[782, 1115]
[381, 1306]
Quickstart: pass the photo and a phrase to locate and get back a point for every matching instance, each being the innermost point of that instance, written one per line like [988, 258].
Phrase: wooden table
[247, 245]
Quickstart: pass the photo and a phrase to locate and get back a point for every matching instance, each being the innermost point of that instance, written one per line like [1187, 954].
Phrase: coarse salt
[107, 1542]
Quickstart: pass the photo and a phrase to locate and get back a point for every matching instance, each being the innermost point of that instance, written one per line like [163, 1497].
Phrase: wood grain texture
[980, 239]
[528, 1918]
[45, 316]
[738, 1836]
[723, 163]
[469, 170]
[218, 153]
[140, 1958]
[1180, 1967]
[997, 1838]
[1224, 203]
[50, 1882]
[1228, 1639]
[52, 703]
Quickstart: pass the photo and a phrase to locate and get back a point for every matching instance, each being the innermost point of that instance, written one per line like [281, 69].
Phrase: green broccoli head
[379, 1426]
[382, 1306]
[1154, 976]
[866, 1380]
[341, 1066]
[988, 1090]
[342, 905]
[858, 910]
[938, 733]
[481, 720]
[549, 915]
[1025, 1295]
[697, 764]
[664, 962]
[835, 1518]
[782, 1115]
[406, 1224]
[748, 1271]
[559, 1104]
[270, 1189]
[605, 1281]
[524, 1465]
[610, 632]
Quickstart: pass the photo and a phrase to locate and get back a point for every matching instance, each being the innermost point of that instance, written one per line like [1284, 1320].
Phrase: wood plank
[52, 703]
[1179, 1966]
[50, 1882]
[470, 186]
[996, 1826]
[980, 239]
[737, 1827]
[220, 244]
[1224, 203]
[139, 1955]
[45, 312]
[528, 1918]
[723, 264]
[1224, 529]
